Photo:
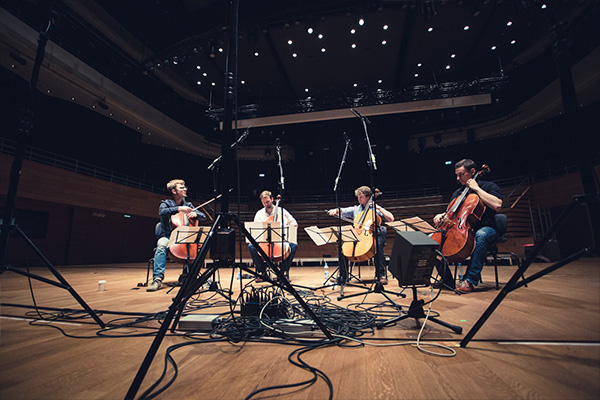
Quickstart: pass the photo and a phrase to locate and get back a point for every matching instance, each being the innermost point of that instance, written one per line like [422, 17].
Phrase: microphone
[277, 141]
[359, 115]
[346, 138]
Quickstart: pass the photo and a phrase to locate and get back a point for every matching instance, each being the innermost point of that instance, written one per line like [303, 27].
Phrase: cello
[454, 230]
[364, 249]
[276, 250]
[184, 252]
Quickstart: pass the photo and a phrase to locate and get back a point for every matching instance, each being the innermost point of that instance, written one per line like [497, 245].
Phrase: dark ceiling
[405, 51]
[402, 45]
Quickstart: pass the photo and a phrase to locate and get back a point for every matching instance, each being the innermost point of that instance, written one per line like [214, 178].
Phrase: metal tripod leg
[416, 311]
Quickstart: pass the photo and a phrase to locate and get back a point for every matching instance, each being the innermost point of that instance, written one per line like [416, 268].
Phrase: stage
[543, 341]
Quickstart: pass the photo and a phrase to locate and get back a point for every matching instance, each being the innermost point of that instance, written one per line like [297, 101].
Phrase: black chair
[501, 224]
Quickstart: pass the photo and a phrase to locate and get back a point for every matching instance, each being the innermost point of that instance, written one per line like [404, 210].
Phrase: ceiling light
[493, 47]
[352, 31]
[419, 65]
[430, 29]
[198, 83]
[323, 50]
[380, 81]
[513, 41]
[306, 90]
[509, 23]
[310, 30]
[214, 84]
[294, 55]
[416, 75]
[361, 21]
[320, 36]
[290, 42]
[385, 27]
[204, 74]
[466, 28]
[198, 67]
[452, 55]
[447, 67]
[355, 85]
[243, 82]
[384, 42]
[256, 54]
[353, 45]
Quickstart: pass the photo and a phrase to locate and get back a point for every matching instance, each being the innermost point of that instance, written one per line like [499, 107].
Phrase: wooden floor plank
[560, 310]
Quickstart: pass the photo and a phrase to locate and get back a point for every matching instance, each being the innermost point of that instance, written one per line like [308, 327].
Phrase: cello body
[183, 253]
[364, 249]
[455, 231]
[275, 250]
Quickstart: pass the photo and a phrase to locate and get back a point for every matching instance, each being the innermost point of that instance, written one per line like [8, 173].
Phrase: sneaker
[465, 287]
[154, 286]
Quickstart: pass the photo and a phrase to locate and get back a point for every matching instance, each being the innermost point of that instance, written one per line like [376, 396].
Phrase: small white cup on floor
[101, 286]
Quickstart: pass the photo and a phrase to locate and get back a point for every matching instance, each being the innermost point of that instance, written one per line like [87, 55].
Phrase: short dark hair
[467, 163]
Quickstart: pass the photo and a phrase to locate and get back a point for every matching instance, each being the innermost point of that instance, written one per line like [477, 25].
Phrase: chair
[501, 224]
[185, 268]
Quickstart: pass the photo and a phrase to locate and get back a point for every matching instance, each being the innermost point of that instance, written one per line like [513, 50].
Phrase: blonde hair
[173, 184]
[264, 194]
[364, 190]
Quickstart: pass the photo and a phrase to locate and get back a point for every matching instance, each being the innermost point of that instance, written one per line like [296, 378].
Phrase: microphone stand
[281, 185]
[378, 286]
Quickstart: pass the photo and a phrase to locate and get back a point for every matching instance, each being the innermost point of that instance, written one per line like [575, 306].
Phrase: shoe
[465, 287]
[154, 286]
[383, 281]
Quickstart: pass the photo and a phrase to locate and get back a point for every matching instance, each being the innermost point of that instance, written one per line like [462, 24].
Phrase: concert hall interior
[106, 101]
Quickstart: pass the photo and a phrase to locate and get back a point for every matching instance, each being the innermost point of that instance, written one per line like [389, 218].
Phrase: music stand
[412, 224]
[195, 235]
[271, 233]
[329, 235]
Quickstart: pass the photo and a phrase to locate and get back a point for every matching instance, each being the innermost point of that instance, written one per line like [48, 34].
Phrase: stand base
[416, 311]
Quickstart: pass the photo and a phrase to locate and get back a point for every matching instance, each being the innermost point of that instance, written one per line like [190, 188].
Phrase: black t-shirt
[487, 219]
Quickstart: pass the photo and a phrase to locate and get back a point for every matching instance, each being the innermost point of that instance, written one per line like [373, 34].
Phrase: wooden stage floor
[542, 342]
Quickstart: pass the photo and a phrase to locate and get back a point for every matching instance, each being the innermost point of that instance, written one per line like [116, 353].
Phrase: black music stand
[271, 233]
[334, 234]
[412, 260]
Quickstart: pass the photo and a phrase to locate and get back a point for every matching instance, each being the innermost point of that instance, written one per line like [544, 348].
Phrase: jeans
[380, 259]
[260, 264]
[160, 258]
[483, 237]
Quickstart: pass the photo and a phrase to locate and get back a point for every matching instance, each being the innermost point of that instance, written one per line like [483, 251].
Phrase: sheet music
[331, 233]
[260, 232]
[412, 224]
[188, 234]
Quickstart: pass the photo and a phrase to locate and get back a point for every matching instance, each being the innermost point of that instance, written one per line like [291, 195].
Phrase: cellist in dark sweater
[485, 230]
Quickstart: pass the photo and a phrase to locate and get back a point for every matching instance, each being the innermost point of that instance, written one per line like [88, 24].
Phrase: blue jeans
[260, 264]
[160, 258]
[483, 237]
[380, 259]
